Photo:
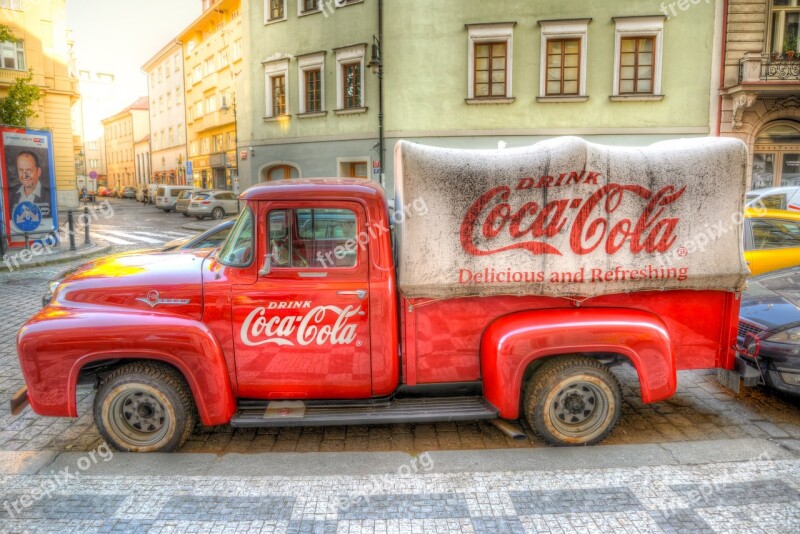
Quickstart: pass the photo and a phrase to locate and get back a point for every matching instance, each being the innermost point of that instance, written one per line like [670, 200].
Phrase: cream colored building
[122, 131]
[43, 48]
[165, 81]
[761, 88]
[212, 52]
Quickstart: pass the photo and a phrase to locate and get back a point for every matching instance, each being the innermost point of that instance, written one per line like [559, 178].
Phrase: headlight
[52, 285]
[790, 335]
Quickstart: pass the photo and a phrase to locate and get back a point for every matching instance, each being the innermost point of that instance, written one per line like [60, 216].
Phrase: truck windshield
[238, 249]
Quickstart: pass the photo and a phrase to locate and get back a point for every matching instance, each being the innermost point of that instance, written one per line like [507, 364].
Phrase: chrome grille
[747, 328]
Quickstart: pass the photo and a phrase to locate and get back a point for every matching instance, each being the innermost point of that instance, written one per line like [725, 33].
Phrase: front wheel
[144, 407]
[217, 213]
[573, 400]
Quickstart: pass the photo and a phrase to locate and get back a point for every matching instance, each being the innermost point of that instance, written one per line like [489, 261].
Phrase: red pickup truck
[504, 284]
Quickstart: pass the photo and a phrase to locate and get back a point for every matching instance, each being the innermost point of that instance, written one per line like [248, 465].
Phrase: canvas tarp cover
[566, 217]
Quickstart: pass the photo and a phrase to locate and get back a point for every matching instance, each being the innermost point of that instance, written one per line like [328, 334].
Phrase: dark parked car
[212, 237]
[771, 311]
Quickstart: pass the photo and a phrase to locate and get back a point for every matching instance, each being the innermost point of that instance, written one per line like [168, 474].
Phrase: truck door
[301, 330]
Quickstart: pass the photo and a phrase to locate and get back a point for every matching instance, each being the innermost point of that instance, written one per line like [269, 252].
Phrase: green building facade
[466, 73]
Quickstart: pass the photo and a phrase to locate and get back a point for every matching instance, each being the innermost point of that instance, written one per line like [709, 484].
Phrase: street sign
[189, 168]
[93, 175]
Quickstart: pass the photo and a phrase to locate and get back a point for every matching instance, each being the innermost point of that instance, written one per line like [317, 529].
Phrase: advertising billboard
[28, 185]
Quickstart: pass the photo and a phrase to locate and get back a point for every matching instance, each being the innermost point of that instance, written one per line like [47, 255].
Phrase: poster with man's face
[28, 183]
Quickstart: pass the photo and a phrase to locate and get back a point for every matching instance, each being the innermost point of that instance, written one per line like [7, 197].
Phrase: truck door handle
[360, 293]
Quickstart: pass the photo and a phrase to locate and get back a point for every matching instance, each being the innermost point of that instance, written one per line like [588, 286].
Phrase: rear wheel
[144, 407]
[573, 400]
[185, 214]
[217, 213]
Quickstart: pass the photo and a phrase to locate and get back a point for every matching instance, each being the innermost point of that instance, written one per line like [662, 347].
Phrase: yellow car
[771, 239]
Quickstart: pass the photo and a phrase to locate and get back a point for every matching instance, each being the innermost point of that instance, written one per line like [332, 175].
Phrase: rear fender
[513, 342]
[56, 344]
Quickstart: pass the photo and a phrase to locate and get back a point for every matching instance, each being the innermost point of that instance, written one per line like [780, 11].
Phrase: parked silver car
[184, 198]
[214, 204]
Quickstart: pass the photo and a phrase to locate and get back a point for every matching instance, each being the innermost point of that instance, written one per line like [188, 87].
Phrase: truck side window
[316, 238]
[775, 233]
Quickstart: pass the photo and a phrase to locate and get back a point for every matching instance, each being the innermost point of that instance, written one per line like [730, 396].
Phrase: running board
[298, 413]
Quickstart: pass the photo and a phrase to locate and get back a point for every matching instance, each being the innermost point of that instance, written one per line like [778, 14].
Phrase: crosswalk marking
[117, 236]
[112, 240]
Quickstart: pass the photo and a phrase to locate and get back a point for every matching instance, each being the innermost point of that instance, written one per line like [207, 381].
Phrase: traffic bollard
[71, 229]
[86, 226]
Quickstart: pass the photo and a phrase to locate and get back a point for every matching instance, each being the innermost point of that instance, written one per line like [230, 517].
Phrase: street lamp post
[224, 108]
[376, 66]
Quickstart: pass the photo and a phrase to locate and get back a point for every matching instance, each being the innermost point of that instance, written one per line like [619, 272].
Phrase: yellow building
[43, 48]
[212, 50]
[122, 132]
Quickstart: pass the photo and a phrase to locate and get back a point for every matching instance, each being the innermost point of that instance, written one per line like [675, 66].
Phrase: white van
[167, 195]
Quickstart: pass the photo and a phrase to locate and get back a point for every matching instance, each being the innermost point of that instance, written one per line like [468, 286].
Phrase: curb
[547, 459]
[97, 247]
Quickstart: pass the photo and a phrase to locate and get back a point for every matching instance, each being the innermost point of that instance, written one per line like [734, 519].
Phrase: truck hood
[773, 300]
[168, 282]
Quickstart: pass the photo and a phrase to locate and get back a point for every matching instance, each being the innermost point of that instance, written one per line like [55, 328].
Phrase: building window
[279, 172]
[178, 92]
[776, 158]
[171, 137]
[490, 70]
[275, 10]
[198, 73]
[211, 104]
[278, 93]
[180, 134]
[16, 5]
[353, 167]
[208, 66]
[13, 55]
[237, 49]
[638, 58]
[350, 78]
[784, 27]
[563, 60]
[312, 95]
[308, 6]
[176, 62]
[312, 80]
[276, 79]
[636, 65]
[490, 54]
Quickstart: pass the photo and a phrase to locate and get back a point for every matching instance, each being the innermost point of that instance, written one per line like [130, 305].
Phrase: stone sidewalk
[407, 494]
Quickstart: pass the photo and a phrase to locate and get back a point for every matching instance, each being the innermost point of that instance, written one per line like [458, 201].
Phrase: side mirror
[752, 345]
[267, 267]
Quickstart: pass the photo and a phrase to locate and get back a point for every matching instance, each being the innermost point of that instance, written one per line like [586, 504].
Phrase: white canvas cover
[566, 217]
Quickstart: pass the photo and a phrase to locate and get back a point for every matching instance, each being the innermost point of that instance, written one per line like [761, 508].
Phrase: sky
[119, 36]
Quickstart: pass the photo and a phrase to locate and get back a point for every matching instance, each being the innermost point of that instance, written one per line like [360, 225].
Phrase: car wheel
[185, 214]
[217, 213]
[145, 407]
[573, 400]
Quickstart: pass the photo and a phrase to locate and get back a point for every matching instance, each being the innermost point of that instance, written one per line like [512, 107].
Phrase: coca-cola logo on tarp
[530, 224]
[320, 325]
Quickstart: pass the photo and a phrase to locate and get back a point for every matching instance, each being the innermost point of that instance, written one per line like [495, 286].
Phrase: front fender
[57, 343]
[511, 343]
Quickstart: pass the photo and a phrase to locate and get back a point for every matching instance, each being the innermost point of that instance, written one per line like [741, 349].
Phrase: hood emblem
[153, 299]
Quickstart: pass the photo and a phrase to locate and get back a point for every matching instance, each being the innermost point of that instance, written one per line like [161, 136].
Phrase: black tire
[573, 400]
[185, 214]
[199, 217]
[144, 407]
[217, 213]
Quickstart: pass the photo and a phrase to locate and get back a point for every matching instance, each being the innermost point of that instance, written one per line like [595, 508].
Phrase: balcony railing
[765, 68]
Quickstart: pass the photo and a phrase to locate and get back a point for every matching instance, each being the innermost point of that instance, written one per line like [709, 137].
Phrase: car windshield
[238, 248]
